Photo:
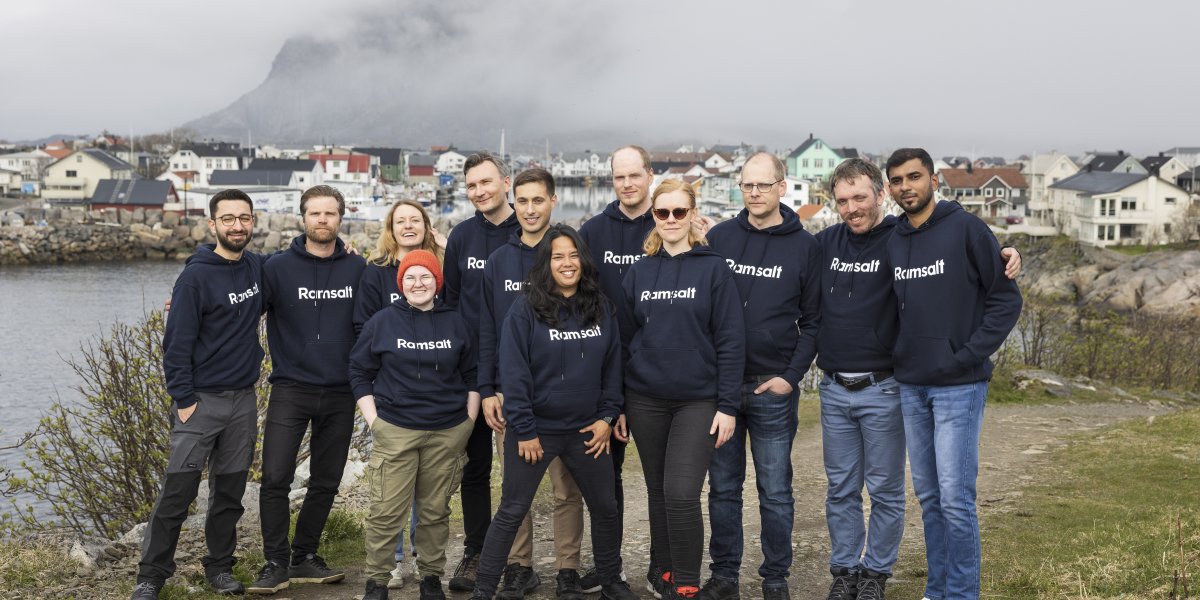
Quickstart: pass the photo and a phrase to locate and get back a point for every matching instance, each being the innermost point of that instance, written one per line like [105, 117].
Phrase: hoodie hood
[684, 330]
[419, 364]
[310, 314]
[210, 343]
[941, 210]
[777, 273]
[615, 242]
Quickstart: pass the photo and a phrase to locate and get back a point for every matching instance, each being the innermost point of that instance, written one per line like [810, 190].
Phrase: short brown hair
[641, 152]
[853, 168]
[479, 158]
[323, 191]
[534, 175]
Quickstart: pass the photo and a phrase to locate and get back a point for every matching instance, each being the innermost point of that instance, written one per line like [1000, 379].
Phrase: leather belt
[855, 384]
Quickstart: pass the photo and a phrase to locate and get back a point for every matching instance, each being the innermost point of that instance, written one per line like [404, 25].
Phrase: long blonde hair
[654, 241]
[387, 249]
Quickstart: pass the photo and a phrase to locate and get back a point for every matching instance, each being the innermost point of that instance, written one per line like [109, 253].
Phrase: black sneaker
[518, 581]
[871, 584]
[431, 588]
[617, 590]
[463, 579]
[146, 590]
[375, 591]
[271, 578]
[312, 569]
[776, 593]
[224, 584]
[590, 581]
[719, 589]
[845, 584]
[568, 587]
[656, 581]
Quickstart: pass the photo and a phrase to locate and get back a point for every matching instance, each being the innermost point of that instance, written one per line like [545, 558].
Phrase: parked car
[1014, 220]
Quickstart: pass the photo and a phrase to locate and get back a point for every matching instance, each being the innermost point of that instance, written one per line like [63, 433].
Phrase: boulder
[139, 215]
[199, 232]
[87, 551]
[170, 219]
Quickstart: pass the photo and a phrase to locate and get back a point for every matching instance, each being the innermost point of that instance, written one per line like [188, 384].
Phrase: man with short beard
[310, 331]
[956, 309]
[211, 361]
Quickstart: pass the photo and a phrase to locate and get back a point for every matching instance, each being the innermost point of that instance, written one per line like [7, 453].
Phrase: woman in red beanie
[412, 371]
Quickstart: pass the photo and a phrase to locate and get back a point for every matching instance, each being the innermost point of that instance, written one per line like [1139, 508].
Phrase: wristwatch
[608, 420]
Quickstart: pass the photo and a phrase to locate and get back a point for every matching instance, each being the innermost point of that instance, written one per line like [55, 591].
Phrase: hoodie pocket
[854, 343]
[673, 372]
[566, 408]
[926, 360]
[763, 349]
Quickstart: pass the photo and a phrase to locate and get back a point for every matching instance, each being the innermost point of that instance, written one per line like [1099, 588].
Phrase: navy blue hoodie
[956, 305]
[467, 250]
[310, 310]
[684, 329]
[503, 279]
[777, 270]
[419, 364]
[858, 307]
[559, 379]
[210, 343]
[615, 242]
[376, 289]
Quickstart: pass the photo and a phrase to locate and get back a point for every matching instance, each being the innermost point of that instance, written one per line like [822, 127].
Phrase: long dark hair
[542, 293]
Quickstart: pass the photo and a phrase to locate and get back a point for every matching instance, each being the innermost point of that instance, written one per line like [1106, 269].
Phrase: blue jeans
[412, 536]
[770, 419]
[862, 435]
[942, 425]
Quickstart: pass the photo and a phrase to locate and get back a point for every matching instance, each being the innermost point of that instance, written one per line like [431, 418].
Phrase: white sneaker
[399, 574]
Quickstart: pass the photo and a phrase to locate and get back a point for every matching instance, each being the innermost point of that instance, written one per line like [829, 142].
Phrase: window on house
[337, 176]
[1169, 201]
[804, 163]
[987, 193]
[1128, 204]
[1167, 228]
[72, 174]
[1106, 232]
[1000, 192]
[1108, 207]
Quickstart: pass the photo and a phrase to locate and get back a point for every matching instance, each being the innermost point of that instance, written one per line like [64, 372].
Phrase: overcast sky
[957, 77]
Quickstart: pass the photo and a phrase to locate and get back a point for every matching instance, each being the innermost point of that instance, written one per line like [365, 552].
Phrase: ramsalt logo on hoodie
[238, 298]
[557, 335]
[612, 258]
[689, 293]
[476, 263]
[346, 293]
[443, 344]
[774, 272]
[841, 266]
[937, 268]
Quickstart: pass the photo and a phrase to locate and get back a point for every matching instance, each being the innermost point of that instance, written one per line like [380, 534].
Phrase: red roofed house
[58, 149]
[986, 192]
[816, 217]
[353, 167]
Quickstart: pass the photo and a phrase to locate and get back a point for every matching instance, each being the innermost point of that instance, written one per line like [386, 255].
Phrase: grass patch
[1139, 250]
[28, 568]
[1103, 525]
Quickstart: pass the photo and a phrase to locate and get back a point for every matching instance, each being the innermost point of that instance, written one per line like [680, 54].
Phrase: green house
[814, 160]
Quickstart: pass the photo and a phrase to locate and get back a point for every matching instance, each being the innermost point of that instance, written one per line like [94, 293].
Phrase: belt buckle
[857, 383]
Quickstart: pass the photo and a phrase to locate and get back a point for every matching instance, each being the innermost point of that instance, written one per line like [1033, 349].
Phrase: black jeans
[220, 432]
[676, 449]
[477, 487]
[291, 409]
[595, 479]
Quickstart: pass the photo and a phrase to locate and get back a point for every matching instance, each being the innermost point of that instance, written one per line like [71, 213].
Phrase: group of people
[644, 325]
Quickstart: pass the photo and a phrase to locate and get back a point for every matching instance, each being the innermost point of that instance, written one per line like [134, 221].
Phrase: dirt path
[1016, 440]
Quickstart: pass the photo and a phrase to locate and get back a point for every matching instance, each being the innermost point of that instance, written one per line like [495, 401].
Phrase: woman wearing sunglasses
[683, 326]
[413, 372]
[560, 356]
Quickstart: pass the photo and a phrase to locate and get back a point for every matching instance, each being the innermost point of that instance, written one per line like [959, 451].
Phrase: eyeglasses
[679, 213]
[227, 220]
[425, 279]
[762, 187]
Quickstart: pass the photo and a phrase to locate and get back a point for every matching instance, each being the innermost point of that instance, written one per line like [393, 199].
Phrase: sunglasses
[663, 213]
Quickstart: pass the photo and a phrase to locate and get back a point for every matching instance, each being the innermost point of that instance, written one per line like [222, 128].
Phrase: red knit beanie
[422, 258]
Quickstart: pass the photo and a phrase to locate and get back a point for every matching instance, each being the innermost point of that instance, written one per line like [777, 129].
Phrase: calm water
[48, 312]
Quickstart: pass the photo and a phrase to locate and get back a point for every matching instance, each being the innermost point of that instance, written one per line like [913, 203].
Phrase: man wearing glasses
[776, 265]
[309, 291]
[211, 359]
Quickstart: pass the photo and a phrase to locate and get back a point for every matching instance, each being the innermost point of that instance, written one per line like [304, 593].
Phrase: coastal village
[1101, 198]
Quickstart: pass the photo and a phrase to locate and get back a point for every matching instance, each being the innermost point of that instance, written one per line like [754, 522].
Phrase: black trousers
[521, 479]
[676, 449]
[477, 487]
[291, 409]
[220, 432]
